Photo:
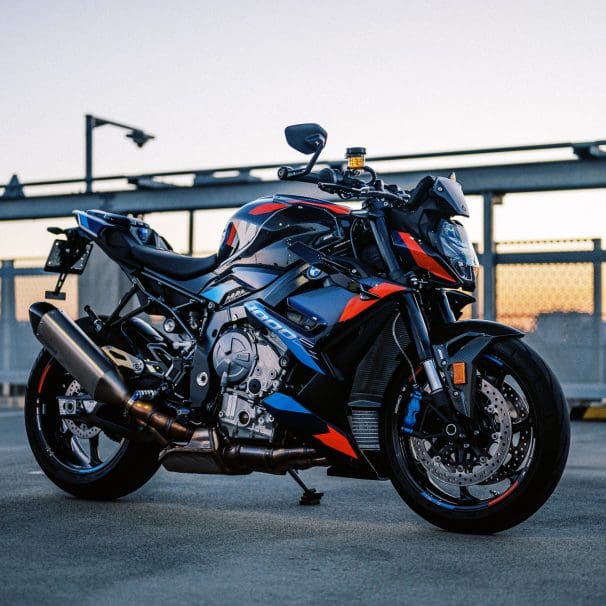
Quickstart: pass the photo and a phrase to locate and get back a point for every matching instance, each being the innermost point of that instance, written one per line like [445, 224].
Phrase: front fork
[425, 352]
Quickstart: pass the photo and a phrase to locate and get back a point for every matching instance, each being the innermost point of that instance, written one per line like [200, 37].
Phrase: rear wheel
[80, 458]
[495, 470]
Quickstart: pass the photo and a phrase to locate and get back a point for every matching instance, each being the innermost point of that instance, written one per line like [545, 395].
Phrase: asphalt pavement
[245, 540]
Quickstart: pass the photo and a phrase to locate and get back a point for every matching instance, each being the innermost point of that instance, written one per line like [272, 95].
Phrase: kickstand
[310, 496]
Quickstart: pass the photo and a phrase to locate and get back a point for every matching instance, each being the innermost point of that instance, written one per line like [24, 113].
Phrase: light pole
[139, 137]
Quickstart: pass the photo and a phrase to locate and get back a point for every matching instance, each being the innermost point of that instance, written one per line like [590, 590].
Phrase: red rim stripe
[43, 377]
[504, 495]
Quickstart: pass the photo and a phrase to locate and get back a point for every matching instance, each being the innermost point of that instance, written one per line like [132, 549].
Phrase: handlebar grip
[326, 175]
[309, 178]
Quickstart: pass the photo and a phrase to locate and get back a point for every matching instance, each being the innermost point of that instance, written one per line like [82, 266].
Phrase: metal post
[597, 310]
[488, 259]
[90, 125]
[190, 233]
[7, 319]
[475, 311]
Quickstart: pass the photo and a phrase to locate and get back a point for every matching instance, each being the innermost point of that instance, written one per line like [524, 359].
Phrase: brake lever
[334, 188]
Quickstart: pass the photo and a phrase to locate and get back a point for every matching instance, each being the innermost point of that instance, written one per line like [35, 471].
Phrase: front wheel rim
[506, 479]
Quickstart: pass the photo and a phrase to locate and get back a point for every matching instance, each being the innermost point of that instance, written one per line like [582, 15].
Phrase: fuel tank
[254, 247]
[260, 232]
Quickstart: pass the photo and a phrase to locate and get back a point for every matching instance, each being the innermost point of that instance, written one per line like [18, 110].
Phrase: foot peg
[310, 496]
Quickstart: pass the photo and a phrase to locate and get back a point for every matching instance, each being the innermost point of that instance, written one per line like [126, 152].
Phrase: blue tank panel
[326, 304]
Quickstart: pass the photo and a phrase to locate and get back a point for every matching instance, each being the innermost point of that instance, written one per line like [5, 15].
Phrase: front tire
[520, 481]
[103, 467]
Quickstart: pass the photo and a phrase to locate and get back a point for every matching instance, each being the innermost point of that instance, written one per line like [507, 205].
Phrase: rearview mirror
[306, 138]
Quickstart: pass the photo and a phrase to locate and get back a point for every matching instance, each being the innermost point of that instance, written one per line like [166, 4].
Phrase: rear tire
[132, 465]
[542, 471]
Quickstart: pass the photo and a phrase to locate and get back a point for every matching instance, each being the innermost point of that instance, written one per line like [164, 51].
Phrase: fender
[463, 342]
[452, 330]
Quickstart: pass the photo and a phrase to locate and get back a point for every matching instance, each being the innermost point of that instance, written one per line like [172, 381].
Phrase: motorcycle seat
[171, 264]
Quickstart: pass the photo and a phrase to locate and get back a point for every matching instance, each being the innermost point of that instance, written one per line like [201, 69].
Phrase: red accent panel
[422, 259]
[335, 208]
[43, 377]
[504, 495]
[231, 235]
[354, 306]
[357, 305]
[337, 441]
[268, 207]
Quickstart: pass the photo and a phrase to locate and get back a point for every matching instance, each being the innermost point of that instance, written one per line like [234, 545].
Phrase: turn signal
[458, 373]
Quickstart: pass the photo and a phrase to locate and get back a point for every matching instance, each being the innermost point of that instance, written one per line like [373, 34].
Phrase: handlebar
[335, 182]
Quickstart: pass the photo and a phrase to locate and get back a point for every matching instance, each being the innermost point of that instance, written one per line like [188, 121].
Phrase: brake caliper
[412, 410]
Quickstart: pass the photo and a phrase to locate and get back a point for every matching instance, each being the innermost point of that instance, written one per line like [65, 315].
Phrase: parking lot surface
[245, 540]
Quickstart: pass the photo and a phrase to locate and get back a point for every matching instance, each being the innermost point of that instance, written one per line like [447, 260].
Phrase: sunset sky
[217, 83]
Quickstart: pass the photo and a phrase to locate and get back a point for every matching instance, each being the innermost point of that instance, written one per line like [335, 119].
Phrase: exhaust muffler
[97, 375]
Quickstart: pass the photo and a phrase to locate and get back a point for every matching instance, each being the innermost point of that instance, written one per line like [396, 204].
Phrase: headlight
[453, 242]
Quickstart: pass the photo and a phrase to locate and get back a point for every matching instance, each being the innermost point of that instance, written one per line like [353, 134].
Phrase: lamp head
[139, 137]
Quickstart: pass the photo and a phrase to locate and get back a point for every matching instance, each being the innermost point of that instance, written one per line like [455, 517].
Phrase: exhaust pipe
[207, 454]
[99, 377]
[271, 460]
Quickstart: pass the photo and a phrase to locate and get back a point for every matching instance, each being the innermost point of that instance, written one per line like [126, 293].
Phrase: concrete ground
[226, 540]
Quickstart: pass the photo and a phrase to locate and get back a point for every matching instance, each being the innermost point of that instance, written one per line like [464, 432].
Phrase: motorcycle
[320, 334]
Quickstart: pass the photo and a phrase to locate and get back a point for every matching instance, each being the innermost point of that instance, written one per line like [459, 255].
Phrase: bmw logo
[143, 233]
[313, 273]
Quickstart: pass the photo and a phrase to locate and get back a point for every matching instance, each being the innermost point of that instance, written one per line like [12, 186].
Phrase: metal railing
[582, 150]
[552, 290]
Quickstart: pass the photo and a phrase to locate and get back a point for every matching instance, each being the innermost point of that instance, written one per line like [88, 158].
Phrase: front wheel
[500, 467]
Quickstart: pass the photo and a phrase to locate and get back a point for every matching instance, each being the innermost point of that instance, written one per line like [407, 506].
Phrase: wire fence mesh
[558, 304]
[555, 303]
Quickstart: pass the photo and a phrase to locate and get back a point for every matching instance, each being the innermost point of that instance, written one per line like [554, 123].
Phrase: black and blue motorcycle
[318, 335]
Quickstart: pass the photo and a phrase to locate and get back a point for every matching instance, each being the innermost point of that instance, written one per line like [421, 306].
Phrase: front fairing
[450, 197]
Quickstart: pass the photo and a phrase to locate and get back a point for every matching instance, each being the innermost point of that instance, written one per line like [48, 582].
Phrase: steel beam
[488, 262]
[509, 178]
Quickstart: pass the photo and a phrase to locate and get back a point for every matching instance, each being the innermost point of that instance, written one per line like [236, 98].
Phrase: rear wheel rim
[64, 441]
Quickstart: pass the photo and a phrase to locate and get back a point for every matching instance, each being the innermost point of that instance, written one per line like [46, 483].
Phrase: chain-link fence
[552, 290]
[21, 283]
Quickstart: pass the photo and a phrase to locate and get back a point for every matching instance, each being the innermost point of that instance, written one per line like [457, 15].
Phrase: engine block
[242, 418]
[249, 367]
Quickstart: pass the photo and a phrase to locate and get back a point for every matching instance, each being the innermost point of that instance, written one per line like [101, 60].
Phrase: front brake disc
[448, 470]
[521, 441]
